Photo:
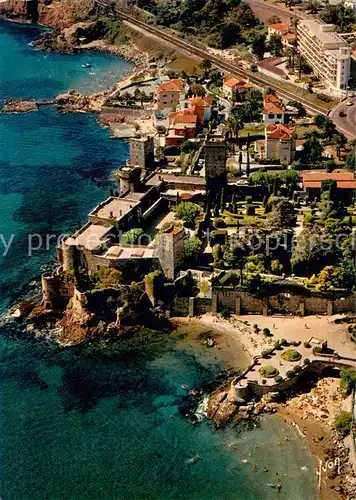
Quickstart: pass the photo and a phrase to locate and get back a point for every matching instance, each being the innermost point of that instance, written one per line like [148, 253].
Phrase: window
[270, 116]
[164, 102]
[279, 116]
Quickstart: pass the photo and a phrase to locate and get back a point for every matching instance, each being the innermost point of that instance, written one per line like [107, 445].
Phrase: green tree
[198, 90]
[282, 215]
[313, 150]
[348, 381]
[275, 45]
[331, 277]
[206, 65]
[351, 162]
[192, 249]
[188, 146]
[301, 109]
[132, 237]
[107, 277]
[340, 15]
[188, 212]
[259, 45]
[343, 423]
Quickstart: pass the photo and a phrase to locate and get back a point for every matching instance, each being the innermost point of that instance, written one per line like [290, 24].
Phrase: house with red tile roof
[200, 106]
[183, 126]
[280, 29]
[274, 111]
[235, 89]
[279, 143]
[345, 184]
[289, 40]
[169, 93]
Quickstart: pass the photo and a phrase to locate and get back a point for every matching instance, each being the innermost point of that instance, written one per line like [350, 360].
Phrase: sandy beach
[313, 412]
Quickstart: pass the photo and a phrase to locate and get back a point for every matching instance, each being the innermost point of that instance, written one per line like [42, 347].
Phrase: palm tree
[206, 65]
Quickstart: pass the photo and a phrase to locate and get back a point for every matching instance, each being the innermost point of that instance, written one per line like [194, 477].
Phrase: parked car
[349, 103]
[342, 114]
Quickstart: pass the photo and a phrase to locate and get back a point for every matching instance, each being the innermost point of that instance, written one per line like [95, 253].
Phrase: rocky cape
[77, 26]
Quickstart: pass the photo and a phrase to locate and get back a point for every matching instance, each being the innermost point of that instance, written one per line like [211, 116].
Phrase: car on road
[352, 94]
[349, 103]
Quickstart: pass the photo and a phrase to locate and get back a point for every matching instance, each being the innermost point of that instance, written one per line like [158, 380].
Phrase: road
[265, 10]
[346, 124]
[172, 39]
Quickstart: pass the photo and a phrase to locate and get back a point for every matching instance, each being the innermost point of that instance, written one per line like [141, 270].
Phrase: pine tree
[240, 163]
[248, 164]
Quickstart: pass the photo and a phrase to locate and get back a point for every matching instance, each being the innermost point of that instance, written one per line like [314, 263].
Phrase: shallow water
[108, 422]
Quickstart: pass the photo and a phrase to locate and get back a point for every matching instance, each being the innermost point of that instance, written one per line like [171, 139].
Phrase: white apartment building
[326, 52]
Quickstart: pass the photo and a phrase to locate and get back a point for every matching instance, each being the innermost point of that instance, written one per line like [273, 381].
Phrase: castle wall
[240, 302]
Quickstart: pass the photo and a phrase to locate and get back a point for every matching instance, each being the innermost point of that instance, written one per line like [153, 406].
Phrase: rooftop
[174, 85]
[129, 252]
[279, 131]
[344, 180]
[324, 32]
[114, 207]
[234, 82]
[272, 104]
[90, 236]
[176, 179]
[281, 27]
[270, 64]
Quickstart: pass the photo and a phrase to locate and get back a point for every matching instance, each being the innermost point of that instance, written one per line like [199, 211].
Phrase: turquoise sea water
[104, 422]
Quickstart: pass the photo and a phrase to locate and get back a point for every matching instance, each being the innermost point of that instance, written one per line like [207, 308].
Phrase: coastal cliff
[77, 26]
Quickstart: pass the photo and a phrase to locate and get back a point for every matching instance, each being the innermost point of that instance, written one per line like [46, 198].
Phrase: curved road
[346, 124]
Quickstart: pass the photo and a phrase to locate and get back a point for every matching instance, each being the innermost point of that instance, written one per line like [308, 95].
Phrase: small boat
[86, 65]
[194, 460]
[244, 461]
[271, 485]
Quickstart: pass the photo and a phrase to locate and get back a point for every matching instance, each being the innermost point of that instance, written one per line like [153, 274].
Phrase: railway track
[177, 42]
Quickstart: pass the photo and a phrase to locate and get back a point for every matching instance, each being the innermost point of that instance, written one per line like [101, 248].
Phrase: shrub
[255, 326]
[306, 361]
[204, 287]
[307, 345]
[291, 355]
[343, 423]
[348, 380]
[250, 210]
[266, 332]
[317, 350]
[248, 199]
[218, 223]
[188, 212]
[264, 381]
[266, 353]
[225, 313]
[290, 374]
[297, 369]
[278, 379]
[132, 237]
[107, 277]
[283, 342]
[268, 371]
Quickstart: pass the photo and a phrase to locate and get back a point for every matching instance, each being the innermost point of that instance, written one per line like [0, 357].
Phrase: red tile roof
[281, 27]
[344, 180]
[203, 102]
[279, 131]
[234, 82]
[174, 85]
[184, 118]
[272, 104]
